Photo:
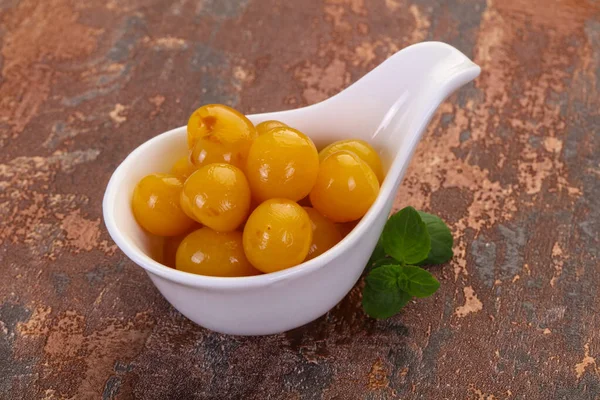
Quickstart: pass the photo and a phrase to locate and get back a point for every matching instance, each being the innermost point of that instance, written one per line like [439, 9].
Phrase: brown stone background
[511, 162]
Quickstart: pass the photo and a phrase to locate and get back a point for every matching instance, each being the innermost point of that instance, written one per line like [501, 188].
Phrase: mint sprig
[410, 238]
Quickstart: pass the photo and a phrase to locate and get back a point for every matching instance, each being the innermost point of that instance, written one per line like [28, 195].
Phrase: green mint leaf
[417, 282]
[441, 240]
[378, 253]
[382, 296]
[405, 237]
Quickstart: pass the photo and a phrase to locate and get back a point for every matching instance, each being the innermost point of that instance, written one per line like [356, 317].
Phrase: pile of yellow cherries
[248, 200]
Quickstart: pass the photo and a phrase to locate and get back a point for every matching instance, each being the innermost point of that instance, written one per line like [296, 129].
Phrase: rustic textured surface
[512, 162]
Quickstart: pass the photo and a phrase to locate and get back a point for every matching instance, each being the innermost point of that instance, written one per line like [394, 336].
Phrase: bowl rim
[134, 253]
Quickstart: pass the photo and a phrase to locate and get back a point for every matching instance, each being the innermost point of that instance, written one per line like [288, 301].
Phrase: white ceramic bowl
[389, 107]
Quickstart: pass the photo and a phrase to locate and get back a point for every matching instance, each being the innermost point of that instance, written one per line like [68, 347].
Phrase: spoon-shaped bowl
[389, 107]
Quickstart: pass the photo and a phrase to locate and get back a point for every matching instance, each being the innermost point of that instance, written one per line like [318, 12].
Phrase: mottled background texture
[512, 162]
